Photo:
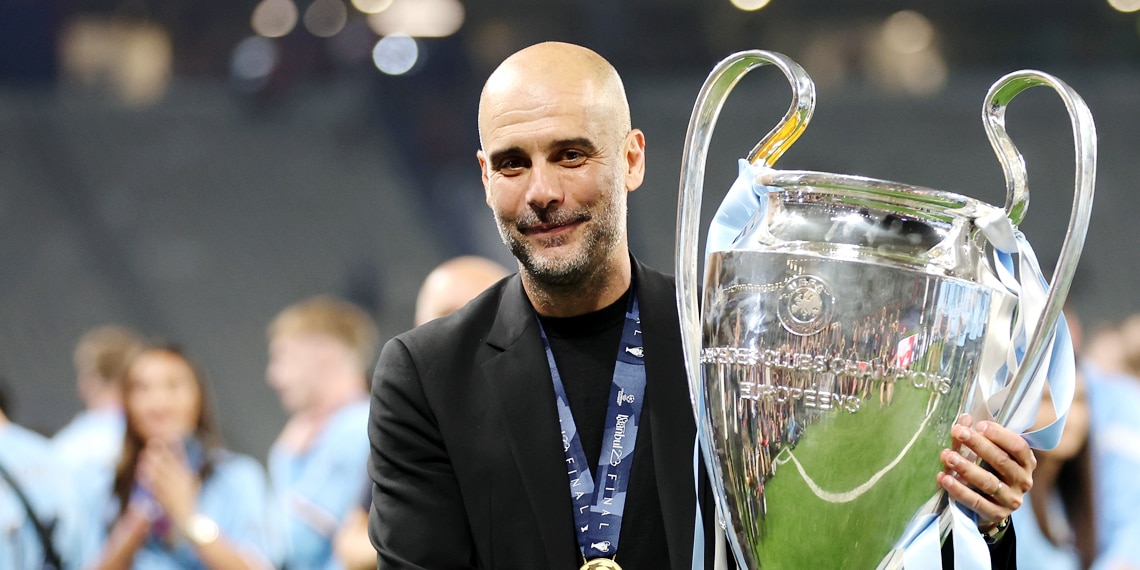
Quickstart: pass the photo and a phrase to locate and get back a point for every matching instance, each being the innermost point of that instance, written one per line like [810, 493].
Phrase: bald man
[546, 424]
[453, 283]
[470, 459]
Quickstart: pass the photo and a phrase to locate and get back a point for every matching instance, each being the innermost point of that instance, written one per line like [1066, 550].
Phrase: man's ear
[634, 159]
[483, 175]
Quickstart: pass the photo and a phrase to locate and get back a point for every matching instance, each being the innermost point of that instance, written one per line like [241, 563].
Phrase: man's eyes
[511, 164]
[574, 157]
[567, 157]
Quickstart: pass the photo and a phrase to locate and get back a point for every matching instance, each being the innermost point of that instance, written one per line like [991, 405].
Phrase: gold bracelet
[993, 534]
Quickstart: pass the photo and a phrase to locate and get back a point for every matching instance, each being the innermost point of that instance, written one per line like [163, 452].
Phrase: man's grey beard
[593, 250]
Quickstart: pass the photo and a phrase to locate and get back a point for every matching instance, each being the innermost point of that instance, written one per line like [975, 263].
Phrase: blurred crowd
[141, 478]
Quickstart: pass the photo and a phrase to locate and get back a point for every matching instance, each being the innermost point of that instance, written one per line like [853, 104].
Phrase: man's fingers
[977, 476]
[965, 420]
[1011, 442]
[1009, 458]
[996, 487]
[971, 498]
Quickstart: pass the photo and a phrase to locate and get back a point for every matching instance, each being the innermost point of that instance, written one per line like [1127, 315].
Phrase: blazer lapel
[522, 387]
[671, 423]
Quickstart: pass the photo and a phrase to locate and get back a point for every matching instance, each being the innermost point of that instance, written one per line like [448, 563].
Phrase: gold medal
[600, 564]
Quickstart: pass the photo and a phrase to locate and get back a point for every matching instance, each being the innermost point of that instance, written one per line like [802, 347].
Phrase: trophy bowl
[845, 324]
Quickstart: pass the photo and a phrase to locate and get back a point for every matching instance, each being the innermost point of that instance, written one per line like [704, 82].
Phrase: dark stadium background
[163, 167]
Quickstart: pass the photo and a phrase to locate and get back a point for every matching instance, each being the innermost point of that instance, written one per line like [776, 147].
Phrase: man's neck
[98, 393]
[304, 426]
[596, 292]
[349, 393]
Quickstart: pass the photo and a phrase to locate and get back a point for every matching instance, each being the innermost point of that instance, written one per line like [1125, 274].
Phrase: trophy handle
[1017, 202]
[710, 100]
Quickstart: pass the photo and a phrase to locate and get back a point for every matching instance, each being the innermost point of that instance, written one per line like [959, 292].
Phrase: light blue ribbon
[745, 198]
[1058, 369]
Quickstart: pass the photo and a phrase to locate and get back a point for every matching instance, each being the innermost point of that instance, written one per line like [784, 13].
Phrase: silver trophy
[845, 324]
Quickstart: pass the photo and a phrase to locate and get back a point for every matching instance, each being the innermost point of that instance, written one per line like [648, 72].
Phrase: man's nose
[544, 189]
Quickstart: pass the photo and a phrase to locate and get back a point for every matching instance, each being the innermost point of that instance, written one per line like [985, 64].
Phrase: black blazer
[466, 460]
[466, 456]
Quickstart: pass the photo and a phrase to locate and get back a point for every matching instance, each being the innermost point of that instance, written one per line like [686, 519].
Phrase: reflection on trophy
[845, 324]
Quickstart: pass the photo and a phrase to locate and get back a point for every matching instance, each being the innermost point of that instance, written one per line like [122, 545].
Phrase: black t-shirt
[585, 351]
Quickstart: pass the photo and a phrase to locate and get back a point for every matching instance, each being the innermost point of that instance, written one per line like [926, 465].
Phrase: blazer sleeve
[417, 519]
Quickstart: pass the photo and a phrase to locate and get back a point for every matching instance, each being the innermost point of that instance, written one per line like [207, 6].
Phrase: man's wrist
[994, 532]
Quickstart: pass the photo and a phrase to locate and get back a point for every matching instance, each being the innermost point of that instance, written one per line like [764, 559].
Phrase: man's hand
[995, 489]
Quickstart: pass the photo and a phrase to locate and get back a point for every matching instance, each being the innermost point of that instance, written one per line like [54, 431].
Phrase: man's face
[296, 369]
[556, 175]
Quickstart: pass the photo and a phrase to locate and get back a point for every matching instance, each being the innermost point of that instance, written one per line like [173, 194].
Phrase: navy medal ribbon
[599, 500]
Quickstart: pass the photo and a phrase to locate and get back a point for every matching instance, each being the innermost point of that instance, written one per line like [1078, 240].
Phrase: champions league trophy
[847, 322]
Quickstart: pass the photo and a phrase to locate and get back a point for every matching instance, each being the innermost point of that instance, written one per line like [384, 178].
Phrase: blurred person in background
[453, 283]
[1115, 349]
[448, 287]
[1080, 513]
[1130, 339]
[1105, 350]
[320, 353]
[179, 498]
[40, 526]
[94, 437]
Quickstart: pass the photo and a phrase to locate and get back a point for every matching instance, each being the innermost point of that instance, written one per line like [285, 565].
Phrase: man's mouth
[547, 230]
[553, 227]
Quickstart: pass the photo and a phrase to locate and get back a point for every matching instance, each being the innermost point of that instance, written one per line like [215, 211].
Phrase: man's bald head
[552, 71]
[558, 159]
[453, 283]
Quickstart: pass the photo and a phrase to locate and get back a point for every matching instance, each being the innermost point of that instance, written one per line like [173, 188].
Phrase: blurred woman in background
[1056, 528]
[179, 500]
[1081, 512]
